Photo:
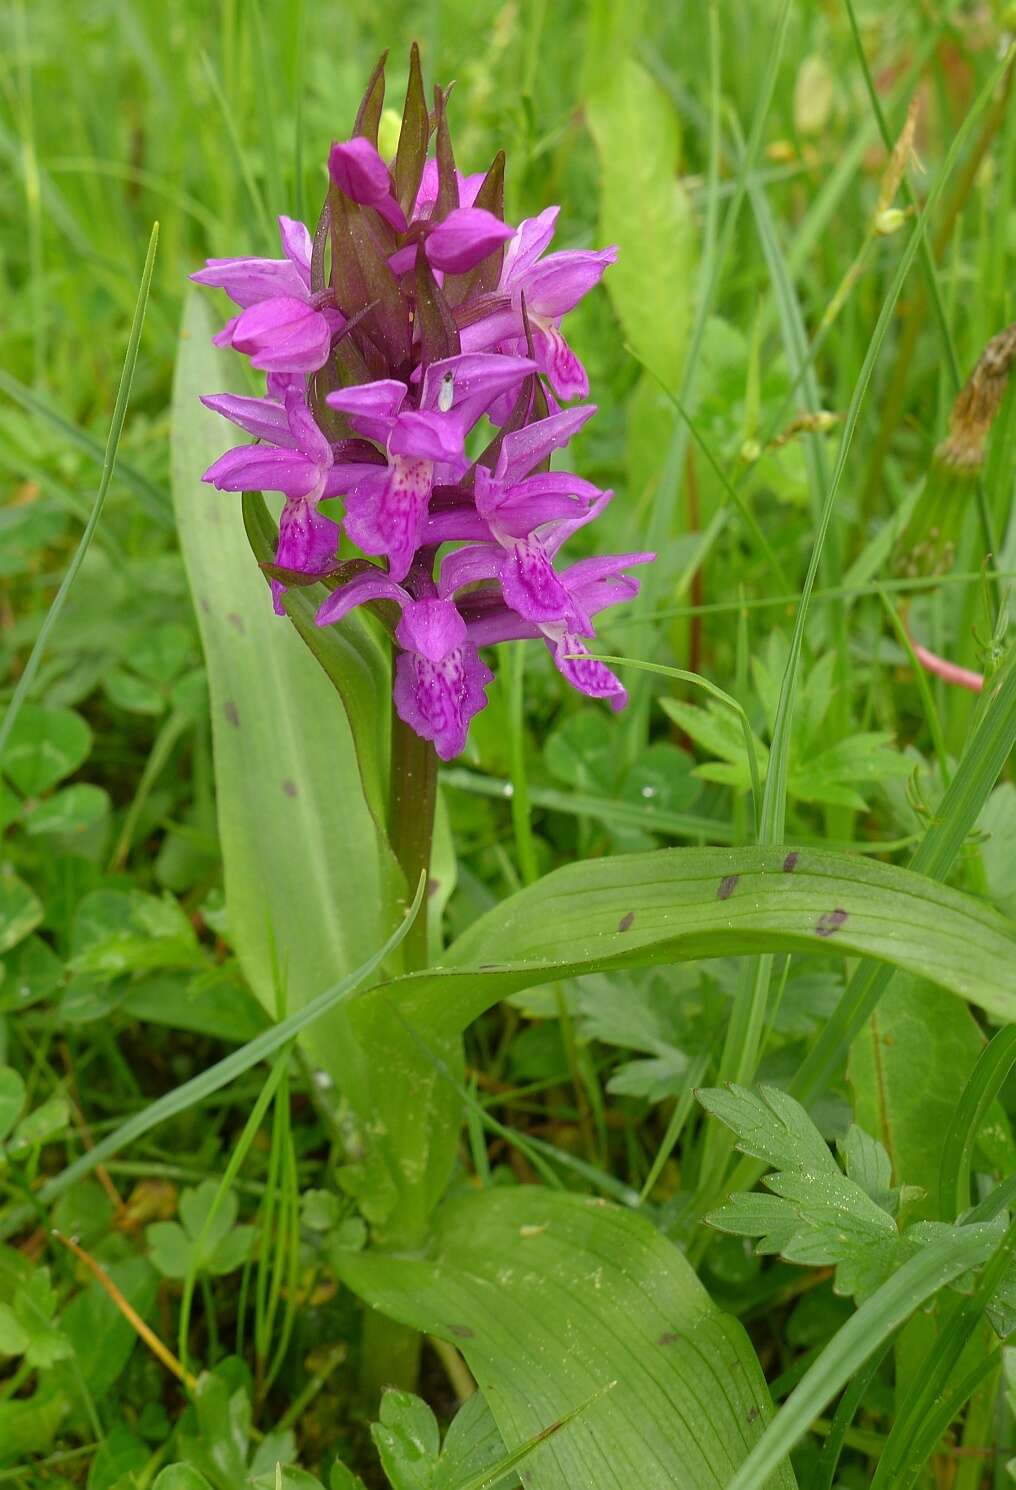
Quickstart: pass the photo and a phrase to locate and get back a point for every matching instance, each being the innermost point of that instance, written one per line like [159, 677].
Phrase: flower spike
[430, 318]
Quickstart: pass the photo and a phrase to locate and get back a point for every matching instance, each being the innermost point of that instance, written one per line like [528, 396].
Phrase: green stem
[411, 822]
[390, 1352]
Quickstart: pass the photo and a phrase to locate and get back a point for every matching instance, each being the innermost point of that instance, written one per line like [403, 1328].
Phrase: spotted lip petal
[308, 544]
[385, 514]
[439, 677]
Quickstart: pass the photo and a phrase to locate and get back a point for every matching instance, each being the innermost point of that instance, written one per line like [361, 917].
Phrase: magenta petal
[586, 674]
[530, 585]
[533, 236]
[377, 400]
[473, 380]
[551, 496]
[259, 468]
[264, 418]
[386, 514]
[566, 373]
[363, 588]
[249, 281]
[468, 566]
[431, 627]
[439, 679]
[305, 431]
[557, 284]
[489, 331]
[464, 238]
[296, 245]
[283, 335]
[308, 544]
[359, 172]
[427, 194]
[224, 338]
[526, 448]
[428, 436]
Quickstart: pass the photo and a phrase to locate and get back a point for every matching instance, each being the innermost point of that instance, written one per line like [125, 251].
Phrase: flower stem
[389, 1351]
[411, 822]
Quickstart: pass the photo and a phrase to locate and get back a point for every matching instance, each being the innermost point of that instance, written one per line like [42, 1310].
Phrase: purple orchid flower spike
[429, 314]
[439, 677]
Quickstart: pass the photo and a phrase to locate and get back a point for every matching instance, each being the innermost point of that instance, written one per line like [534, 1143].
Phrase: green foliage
[560, 1302]
[27, 1327]
[174, 883]
[204, 1242]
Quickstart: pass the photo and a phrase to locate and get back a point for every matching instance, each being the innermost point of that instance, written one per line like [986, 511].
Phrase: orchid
[435, 315]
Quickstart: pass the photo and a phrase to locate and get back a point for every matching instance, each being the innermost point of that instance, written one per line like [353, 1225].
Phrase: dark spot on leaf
[752, 1414]
[669, 1337]
[289, 787]
[488, 967]
[461, 1331]
[727, 887]
[205, 606]
[230, 711]
[830, 921]
[433, 886]
[790, 863]
[625, 923]
[237, 622]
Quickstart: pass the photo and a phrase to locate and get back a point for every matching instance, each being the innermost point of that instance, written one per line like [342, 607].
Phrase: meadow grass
[796, 308]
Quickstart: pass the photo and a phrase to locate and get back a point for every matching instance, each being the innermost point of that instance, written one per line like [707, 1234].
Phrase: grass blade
[24, 683]
[232, 1065]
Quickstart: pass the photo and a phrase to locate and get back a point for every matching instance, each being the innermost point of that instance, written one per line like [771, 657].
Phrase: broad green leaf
[32, 971]
[311, 885]
[673, 905]
[644, 210]
[222, 1417]
[222, 1006]
[20, 909]
[44, 746]
[120, 1452]
[408, 1440]
[556, 1299]
[29, 1425]
[307, 881]
[124, 931]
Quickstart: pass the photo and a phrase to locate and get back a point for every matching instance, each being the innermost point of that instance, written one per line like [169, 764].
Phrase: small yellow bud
[890, 221]
[750, 452]
[389, 129]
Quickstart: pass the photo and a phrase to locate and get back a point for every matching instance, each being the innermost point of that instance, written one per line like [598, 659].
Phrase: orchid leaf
[560, 1302]
[675, 905]
[311, 887]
